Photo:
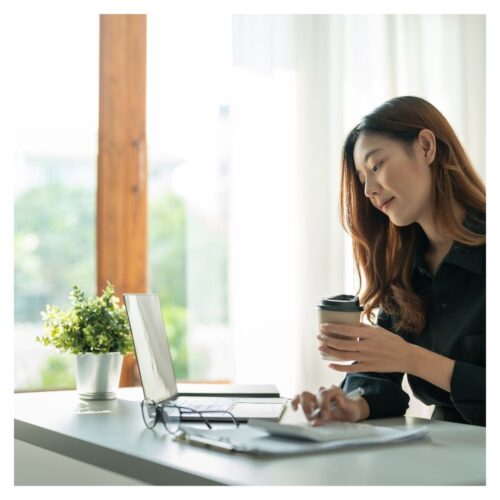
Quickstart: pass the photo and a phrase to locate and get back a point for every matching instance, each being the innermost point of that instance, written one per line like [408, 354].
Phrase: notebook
[158, 377]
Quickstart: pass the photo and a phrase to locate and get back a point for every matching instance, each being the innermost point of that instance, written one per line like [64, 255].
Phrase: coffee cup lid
[342, 303]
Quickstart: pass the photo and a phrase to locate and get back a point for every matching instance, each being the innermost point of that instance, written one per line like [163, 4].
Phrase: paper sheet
[258, 442]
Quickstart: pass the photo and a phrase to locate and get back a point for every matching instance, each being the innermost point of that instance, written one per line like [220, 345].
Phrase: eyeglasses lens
[149, 413]
[172, 418]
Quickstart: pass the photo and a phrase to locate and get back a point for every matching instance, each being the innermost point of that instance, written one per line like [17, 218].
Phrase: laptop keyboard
[202, 404]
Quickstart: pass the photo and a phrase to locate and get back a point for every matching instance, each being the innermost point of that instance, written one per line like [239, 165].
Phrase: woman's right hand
[346, 409]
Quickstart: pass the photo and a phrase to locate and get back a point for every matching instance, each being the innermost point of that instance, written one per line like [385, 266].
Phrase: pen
[351, 395]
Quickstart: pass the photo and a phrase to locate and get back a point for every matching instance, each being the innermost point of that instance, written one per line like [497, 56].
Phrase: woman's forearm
[430, 366]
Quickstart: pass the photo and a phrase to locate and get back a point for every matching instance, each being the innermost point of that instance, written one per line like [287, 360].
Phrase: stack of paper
[270, 438]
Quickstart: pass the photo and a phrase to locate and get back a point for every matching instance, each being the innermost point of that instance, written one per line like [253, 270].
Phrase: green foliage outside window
[175, 325]
[55, 247]
[58, 371]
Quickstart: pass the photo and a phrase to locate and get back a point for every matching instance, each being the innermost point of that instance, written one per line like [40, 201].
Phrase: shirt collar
[471, 258]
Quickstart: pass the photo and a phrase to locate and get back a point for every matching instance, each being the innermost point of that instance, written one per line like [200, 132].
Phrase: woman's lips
[386, 204]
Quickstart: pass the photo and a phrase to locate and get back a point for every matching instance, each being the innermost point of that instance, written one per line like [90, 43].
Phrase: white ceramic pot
[98, 375]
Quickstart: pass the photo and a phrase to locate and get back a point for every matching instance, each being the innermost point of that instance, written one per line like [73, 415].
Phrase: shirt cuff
[384, 397]
[468, 391]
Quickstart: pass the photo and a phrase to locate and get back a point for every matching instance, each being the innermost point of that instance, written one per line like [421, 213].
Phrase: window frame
[122, 168]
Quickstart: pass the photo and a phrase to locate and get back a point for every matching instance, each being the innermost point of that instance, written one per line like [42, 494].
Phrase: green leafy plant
[93, 324]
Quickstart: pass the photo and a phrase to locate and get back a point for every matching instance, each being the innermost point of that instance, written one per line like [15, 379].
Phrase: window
[189, 111]
[56, 106]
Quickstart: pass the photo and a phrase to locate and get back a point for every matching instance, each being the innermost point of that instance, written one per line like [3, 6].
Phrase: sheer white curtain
[301, 83]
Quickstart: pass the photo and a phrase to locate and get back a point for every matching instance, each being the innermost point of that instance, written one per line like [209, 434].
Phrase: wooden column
[122, 161]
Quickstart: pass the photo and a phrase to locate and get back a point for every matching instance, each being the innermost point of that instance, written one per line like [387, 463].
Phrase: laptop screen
[151, 346]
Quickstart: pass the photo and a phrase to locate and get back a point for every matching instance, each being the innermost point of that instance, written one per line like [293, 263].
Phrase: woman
[416, 211]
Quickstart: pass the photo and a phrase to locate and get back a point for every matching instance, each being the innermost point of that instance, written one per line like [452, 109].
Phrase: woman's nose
[370, 188]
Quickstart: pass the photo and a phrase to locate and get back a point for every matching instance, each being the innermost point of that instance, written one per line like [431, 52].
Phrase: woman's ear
[427, 145]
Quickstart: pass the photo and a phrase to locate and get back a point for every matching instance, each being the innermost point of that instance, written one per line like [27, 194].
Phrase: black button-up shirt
[455, 300]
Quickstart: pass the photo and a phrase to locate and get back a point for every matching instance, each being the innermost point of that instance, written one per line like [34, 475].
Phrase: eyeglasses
[170, 414]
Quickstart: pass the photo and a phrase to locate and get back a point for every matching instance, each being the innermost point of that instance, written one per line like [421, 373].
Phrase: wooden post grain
[122, 161]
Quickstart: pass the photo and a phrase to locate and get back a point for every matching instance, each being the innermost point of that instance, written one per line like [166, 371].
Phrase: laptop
[157, 371]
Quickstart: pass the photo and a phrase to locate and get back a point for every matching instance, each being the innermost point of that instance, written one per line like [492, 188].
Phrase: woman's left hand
[377, 350]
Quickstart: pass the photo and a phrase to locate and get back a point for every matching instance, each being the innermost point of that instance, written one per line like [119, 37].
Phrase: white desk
[61, 439]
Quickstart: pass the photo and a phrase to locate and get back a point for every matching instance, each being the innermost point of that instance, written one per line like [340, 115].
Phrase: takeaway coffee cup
[344, 309]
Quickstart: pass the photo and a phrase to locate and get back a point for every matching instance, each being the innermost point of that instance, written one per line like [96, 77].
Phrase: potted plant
[97, 331]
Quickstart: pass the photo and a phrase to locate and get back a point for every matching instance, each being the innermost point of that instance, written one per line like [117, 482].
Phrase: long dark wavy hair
[383, 252]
